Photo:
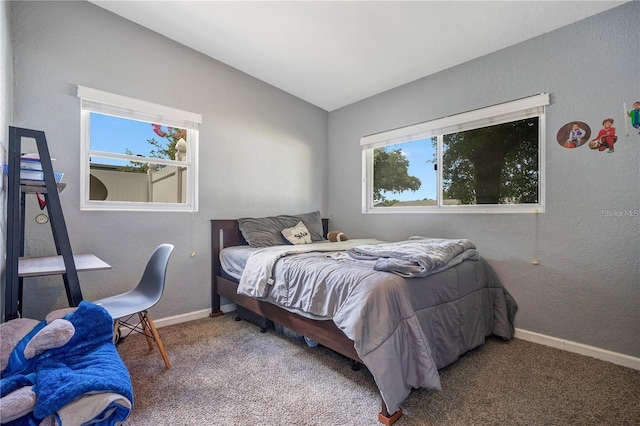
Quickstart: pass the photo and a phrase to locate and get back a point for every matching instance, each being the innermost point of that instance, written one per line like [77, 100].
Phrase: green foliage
[165, 151]
[390, 174]
[134, 166]
[492, 165]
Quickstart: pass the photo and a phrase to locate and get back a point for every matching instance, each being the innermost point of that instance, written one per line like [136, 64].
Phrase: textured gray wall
[586, 288]
[262, 151]
[6, 112]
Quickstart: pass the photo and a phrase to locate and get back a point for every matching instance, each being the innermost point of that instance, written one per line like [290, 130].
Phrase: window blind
[122, 106]
[497, 114]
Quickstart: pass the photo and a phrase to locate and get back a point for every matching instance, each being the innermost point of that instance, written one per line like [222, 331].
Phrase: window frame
[532, 106]
[97, 101]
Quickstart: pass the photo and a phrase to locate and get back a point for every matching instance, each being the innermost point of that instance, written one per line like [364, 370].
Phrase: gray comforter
[416, 257]
[404, 329]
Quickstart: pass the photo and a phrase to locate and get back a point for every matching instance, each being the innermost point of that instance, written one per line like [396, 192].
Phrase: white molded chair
[147, 293]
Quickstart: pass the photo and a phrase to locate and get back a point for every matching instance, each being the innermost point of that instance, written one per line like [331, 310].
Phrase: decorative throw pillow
[266, 231]
[299, 234]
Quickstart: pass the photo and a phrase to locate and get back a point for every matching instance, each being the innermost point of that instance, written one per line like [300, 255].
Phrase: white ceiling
[333, 53]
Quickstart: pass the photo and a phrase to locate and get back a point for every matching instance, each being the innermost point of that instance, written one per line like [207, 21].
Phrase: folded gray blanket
[417, 256]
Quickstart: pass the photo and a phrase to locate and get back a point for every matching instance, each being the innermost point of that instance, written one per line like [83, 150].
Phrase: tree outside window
[487, 160]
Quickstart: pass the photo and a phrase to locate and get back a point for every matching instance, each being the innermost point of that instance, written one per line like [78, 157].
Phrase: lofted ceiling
[333, 53]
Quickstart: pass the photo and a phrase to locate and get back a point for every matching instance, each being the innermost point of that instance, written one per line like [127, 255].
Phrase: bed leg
[215, 298]
[385, 418]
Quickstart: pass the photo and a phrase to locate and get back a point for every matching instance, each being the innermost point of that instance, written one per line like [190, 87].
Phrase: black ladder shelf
[19, 266]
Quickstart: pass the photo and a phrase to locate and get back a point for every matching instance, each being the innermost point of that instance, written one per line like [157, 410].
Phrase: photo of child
[606, 137]
[573, 134]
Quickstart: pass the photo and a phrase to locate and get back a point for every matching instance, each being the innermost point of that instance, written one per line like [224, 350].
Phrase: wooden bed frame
[225, 233]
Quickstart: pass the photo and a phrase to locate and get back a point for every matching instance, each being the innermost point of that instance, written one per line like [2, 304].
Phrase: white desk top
[53, 265]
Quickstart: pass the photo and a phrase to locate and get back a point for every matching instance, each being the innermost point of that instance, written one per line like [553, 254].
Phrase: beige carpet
[228, 373]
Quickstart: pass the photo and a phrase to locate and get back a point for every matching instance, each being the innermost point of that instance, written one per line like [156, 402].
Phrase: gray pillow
[267, 231]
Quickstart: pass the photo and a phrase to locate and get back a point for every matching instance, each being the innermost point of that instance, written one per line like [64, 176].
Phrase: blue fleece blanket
[88, 363]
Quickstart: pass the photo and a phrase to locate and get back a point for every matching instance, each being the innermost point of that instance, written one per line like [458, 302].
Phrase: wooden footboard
[225, 233]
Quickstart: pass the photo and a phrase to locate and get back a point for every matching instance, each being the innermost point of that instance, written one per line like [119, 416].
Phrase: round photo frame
[574, 134]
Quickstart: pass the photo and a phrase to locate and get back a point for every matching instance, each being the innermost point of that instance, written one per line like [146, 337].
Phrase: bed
[403, 324]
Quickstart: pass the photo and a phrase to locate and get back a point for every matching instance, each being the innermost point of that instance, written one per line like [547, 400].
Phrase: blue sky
[420, 154]
[113, 134]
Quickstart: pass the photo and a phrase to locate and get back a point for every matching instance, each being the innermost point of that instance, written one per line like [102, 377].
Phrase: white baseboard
[579, 348]
[565, 345]
[179, 319]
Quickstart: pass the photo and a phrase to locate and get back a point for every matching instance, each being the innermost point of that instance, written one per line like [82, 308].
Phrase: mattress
[233, 260]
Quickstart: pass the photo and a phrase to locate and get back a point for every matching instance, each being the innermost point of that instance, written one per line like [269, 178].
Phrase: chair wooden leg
[156, 336]
[116, 331]
[145, 329]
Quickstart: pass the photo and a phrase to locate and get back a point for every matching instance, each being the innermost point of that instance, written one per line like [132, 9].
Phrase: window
[136, 155]
[489, 160]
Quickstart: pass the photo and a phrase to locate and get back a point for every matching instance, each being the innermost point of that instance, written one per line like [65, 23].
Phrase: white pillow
[298, 234]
